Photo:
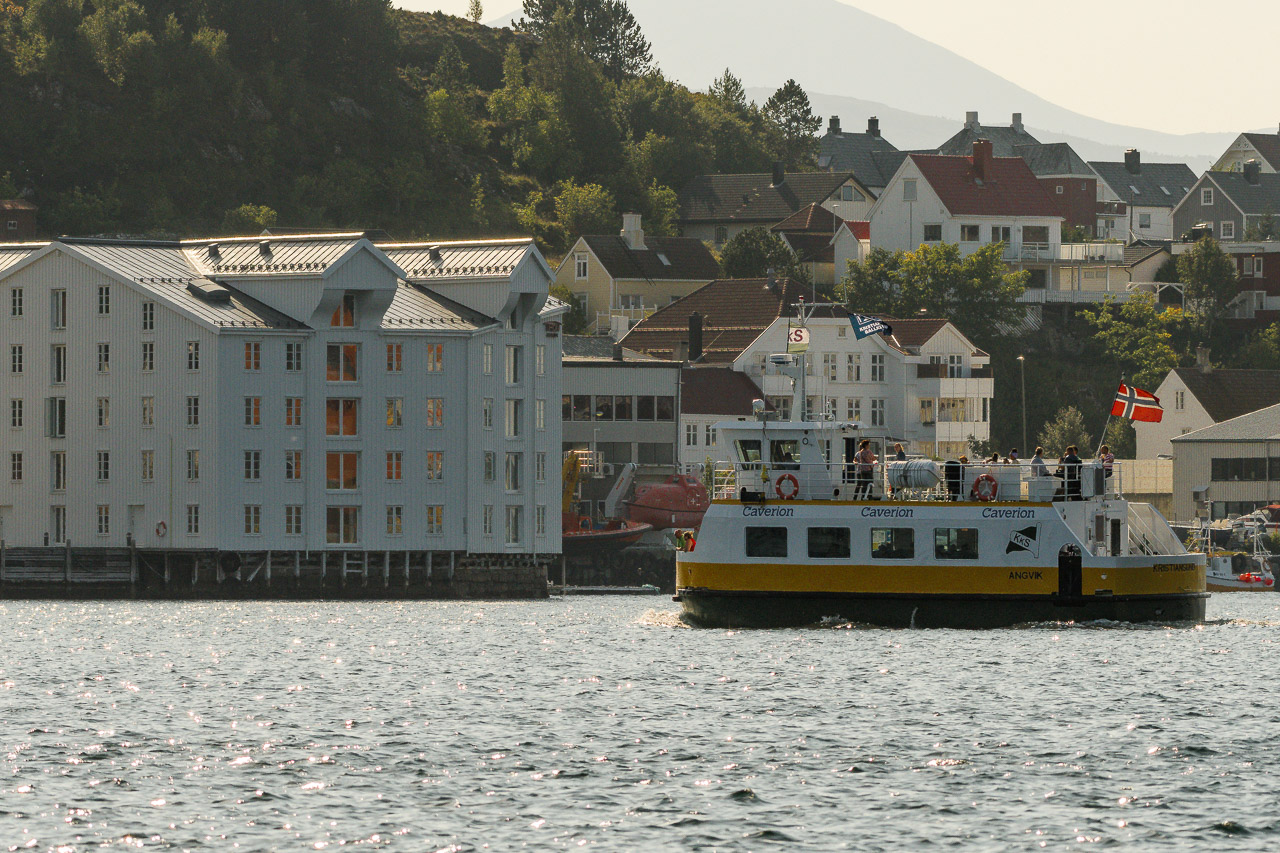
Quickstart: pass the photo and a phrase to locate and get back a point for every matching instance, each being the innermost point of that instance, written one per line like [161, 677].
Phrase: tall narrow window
[293, 465]
[15, 302]
[193, 355]
[193, 519]
[58, 470]
[58, 524]
[395, 465]
[344, 316]
[293, 520]
[148, 411]
[540, 467]
[147, 469]
[58, 308]
[435, 465]
[515, 518]
[486, 520]
[104, 520]
[193, 411]
[15, 358]
[341, 471]
[15, 414]
[395, 520]
[513, 365]
[253, 465]
[540, 414]
[395, 412]
[487, 359]
[435, 520]
[148, 356]
[104, 466]
[252, 411]
[877, 368]
[486, 413]
[515, 464]
[340, 364]
[293, 411]
[540, 520]
[56, 417]
[15, 466]
[293, 357]
[435, 358]
[252, 520]
[104, 299]
[252, 356]
[148, 316]
[395, 358]
[435, 412]
[193, 465]
[104, 358]
[515, 414]
[540, 360]
[490, 465]
[104, 412]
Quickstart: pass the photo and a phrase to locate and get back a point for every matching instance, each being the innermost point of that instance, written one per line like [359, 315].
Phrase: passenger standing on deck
[899, 453]
[866, 459]
[1013, 456]
[1038, 468]
[1069, 471]
[1108, 459]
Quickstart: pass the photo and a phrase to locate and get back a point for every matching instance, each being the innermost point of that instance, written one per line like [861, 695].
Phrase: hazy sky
[1153, 65]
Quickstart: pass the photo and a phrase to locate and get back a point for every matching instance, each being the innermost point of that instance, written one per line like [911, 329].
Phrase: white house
[1146, 192]
[925, 385]
[1197, 397]
[292, 393]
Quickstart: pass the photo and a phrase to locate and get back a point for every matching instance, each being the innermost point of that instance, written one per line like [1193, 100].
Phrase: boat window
[748, 451]
[828, 542]
[785, 454]
[766, 541]
[892, 543]
[955, 543]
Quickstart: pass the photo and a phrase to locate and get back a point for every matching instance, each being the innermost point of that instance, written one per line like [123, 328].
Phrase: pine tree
[788, 109]
[727, 89]
[475, 11]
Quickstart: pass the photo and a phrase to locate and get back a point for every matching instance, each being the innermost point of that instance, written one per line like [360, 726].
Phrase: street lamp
[1022, 369]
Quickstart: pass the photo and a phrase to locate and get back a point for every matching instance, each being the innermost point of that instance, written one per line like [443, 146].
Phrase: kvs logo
[798, 340]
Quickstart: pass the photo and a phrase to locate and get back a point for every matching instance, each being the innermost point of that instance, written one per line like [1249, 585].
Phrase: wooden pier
[66, 571]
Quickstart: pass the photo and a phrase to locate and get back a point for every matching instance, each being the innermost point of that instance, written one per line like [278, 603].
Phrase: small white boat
[1235, 571]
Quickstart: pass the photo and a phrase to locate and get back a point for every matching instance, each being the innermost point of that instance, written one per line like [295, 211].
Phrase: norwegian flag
[1137, 405]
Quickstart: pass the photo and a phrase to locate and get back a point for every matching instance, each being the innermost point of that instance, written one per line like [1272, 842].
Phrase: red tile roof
[859, 229]
[1010, 190]
[735, 312]
[718, 391]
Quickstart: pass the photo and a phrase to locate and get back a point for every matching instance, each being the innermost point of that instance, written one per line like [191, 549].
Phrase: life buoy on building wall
[161, 530]
[789, 493]
[985, 488]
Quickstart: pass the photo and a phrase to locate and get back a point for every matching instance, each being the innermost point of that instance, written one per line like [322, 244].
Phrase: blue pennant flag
[866, 326]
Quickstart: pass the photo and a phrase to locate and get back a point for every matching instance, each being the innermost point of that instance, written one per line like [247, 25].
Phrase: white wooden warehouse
[285, 393]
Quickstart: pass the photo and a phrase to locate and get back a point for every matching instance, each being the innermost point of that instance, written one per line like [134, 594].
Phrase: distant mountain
[854, 64]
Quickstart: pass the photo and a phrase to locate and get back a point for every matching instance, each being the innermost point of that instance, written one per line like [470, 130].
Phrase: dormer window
[344, 316]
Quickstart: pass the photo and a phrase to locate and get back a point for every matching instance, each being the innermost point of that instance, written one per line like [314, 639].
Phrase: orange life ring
[161, 530]
[985, 487]
[787, 478]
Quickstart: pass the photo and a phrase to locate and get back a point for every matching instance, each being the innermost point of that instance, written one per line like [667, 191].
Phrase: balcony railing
[1095, 252]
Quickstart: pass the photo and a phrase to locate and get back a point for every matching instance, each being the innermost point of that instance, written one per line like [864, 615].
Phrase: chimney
[1252, 171]
[873, 126]
[1133, 161]
[1017, 123]
[1202, 359]
[695, 337]
[971, 120]
[632, 234]
[617, 352]
[833, 126]
[779, 174]
[982, 158]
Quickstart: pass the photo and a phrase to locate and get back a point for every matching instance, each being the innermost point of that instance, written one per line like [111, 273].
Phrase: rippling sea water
[607, 723]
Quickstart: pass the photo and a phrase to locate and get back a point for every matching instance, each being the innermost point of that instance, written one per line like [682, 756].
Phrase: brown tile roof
[1011, 190]
[754, 198]
[813, 217]
[735, 312]
[1227, 394]
[718, 391]
[690, 259]
[811, 247]
[915, 332]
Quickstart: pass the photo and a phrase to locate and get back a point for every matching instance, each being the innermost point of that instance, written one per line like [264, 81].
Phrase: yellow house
[622, 279]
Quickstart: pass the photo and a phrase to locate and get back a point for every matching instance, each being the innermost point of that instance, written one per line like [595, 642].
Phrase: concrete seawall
[72, 572]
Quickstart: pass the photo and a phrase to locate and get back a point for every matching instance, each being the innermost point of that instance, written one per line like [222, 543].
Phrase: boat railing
[916, 479]
[1149, 533]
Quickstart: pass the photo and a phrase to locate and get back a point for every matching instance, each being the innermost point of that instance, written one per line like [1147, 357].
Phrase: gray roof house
[1228, 202]
[868, 155]
[1139, 198]
[1227, 464]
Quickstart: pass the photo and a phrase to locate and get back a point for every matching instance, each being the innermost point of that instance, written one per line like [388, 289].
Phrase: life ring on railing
[792, 492]
[161, 530]
[985, 487]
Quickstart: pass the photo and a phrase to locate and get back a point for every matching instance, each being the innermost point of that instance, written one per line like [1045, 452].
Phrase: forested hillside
[176, 117]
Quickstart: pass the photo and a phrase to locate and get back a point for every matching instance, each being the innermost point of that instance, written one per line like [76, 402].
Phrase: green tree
[753, 252]
[728, 92]
[1262, 352]
[1208, 276]
[1121, 438]
[8, 189]
[585, 209]
[1066, 428]
[789, 111]
[575, 321]
[1264, 227]
[248, 219]
[1076, 234]
[977, 293]
[475, 11]
[450, 72]
[1136, 334]
[606, 28]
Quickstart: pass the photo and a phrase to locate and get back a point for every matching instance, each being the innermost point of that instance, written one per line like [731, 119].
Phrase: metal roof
[13, 253]
[297, 255]
[416, 307]
[1262, 425]
[458, 259]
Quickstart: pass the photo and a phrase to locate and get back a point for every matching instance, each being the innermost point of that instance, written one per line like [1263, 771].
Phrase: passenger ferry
[797, 535]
